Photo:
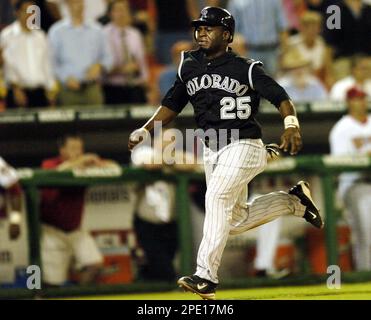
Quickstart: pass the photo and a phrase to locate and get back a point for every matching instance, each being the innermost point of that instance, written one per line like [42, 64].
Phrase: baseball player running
[224, 90]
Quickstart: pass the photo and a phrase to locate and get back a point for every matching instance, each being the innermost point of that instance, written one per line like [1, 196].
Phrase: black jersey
[224, 92]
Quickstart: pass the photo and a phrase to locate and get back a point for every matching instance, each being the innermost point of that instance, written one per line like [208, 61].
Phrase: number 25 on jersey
[229, 104]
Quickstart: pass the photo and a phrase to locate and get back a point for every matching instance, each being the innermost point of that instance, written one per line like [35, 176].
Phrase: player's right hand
[137, 137]
[291, 140]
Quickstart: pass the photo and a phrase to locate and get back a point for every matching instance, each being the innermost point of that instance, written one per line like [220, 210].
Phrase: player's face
[211, 39]
[72, 149]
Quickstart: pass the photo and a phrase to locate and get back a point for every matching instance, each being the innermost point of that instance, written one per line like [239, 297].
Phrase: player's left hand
[291, 140]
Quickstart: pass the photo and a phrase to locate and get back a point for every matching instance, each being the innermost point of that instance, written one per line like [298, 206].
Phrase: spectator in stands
[298, 79]
[351, 136]
[312, 46]
[294, 9]
[93, 9]
[154, 222]
[264, 26]
[127, 81]
[10, 187]
[27, 68]
[172, 27]
[81, 55]
[168, 75]
[353, 38]
[360, 77]
[63, 240]
[139, 14]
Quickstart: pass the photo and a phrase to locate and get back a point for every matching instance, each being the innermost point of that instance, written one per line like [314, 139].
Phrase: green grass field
[361, 291]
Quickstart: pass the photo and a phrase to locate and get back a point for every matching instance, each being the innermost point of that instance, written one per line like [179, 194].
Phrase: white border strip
[180, 65]
[250, 73]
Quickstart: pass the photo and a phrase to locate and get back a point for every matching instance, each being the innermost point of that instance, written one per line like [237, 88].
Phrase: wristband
[291, 122]
[15, 217]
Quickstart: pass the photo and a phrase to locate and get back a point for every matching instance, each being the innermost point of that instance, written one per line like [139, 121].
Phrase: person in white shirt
[298, 79]
[351, 136]
[26, 61]
[94, 9]
[312, 46]
[360, 77]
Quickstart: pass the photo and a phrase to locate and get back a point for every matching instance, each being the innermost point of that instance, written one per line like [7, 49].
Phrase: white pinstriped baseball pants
[228, 172]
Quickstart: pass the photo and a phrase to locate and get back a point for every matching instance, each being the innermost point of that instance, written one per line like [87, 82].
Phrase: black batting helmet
[215, 16]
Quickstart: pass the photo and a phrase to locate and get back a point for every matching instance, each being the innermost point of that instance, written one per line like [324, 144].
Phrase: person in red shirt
[63, 240]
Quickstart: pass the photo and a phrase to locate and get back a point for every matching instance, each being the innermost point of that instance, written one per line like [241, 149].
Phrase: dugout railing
[325, 167]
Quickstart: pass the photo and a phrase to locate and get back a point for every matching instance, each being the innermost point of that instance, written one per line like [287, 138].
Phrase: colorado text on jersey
[215, 81]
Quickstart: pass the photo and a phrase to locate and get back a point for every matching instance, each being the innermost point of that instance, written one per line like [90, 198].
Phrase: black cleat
[204, 288]
[312, 215]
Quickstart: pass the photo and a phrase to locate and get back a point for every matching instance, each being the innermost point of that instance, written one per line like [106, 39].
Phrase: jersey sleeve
[177, 97]
[267, 87]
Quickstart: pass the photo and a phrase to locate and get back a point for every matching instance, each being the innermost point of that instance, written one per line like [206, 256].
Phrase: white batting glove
[273, 151]
[138, 136]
